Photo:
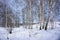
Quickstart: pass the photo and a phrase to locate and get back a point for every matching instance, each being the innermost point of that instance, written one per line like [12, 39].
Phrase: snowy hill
[30, 34]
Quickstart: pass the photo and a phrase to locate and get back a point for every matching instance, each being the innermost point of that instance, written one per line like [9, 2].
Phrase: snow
[30, 34]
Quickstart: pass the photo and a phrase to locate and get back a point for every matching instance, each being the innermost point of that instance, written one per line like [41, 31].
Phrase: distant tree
[9, 19]
[27, 18]
[55, 13]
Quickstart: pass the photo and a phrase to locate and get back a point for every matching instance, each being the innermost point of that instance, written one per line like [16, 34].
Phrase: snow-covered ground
[30, 34]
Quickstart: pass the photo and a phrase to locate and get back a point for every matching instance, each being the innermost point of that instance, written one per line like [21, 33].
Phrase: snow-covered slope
[28, 34]
[3, 33]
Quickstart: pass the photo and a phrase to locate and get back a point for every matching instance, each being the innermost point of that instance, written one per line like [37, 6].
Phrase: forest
[29, 18]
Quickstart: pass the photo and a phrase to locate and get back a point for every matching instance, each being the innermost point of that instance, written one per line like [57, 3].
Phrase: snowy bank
[30, 34]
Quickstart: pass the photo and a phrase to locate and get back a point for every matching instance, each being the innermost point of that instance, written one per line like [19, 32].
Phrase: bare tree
[41, 14]
[8, 17]
[28, 15]
[47, 21]
[54, 11]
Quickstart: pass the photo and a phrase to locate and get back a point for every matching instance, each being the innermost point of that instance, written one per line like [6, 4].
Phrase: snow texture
[30, 34]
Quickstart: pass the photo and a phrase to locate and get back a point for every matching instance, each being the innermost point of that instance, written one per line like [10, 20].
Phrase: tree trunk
[47, 21]
[41, 14]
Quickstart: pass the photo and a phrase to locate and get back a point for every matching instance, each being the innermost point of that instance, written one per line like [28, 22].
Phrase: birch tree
[28, 14]
[54, 11]
[41, 14]
[49, 10]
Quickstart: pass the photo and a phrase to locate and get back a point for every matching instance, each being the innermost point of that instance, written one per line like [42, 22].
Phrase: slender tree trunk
[6, 14]
[41, 14]
[54, 11]
[47, 21]
[30, 16]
